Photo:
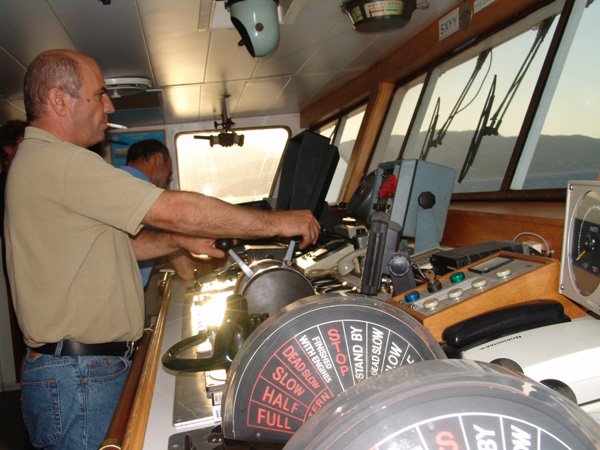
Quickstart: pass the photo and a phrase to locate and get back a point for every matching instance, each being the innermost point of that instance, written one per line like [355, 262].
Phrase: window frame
[536, 110]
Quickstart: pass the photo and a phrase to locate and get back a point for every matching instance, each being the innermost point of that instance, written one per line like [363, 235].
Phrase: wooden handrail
[138, 419]
[118, 425]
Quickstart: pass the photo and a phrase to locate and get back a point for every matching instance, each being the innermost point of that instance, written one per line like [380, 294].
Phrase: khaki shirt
[72, 269]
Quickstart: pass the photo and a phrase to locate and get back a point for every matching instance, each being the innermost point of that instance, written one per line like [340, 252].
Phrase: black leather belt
[72, 348]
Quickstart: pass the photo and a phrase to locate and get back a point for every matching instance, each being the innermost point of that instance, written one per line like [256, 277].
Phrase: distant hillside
[564, 158]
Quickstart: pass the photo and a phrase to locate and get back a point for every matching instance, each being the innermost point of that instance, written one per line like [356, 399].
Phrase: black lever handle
[224, 244]
[228, 340]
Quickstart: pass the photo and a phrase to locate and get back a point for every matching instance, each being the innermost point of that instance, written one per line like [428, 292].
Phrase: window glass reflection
[349, 132]
[569, 143]
[234, 174]
[477, 109]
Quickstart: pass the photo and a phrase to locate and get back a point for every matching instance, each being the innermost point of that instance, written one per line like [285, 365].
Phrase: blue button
[412, 296]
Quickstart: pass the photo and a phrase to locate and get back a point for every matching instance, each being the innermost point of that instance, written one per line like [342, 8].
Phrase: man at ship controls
[70, 221]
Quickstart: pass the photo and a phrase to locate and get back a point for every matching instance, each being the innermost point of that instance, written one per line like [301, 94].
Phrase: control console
[500, 280]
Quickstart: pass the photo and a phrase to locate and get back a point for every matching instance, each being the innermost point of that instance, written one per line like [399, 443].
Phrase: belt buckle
[130, 348]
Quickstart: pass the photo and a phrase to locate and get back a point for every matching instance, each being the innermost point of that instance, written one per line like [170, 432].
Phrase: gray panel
[338, 50]
[28, 28]
[11, 77]
[336, 81]
[301, 39]
[111, 34]
[298, 93]
[178, 52]
[160, 39]
[259, 95]
[227, 60]
[11, 111]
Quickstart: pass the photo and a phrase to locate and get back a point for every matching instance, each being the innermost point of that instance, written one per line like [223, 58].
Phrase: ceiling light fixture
[122, 86]
[376, 16]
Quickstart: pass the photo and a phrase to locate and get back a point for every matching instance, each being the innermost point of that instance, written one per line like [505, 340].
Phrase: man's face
[163, 176]
[90, 111]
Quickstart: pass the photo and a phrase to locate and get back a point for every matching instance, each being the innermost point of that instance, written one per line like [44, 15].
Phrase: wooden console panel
[540, 283]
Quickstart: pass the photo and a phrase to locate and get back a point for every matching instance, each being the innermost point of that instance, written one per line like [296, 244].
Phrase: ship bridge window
[236, 174]
[476, 105]
[569, 143]
[396, 127]
[343, 133]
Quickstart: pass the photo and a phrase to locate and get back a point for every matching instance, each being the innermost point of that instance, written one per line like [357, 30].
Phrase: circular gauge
[449, 404]
[309, 352]
[582, 244]
[585, 260]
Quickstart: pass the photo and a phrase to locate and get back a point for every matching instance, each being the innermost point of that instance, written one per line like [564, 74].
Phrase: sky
[575, 108]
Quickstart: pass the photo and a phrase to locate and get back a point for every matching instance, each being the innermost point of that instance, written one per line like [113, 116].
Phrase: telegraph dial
[580, 271]
[448, 404]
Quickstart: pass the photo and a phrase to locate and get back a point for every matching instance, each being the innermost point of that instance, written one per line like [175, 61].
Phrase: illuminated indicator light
[457, 277]
[412, 297]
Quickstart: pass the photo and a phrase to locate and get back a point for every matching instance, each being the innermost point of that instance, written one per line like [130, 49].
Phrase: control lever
[230, 336]
[225, 245]
[343, 267]
[289, 253]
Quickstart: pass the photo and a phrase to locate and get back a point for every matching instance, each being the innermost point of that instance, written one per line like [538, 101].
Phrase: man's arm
[151, 244]
[196, 214]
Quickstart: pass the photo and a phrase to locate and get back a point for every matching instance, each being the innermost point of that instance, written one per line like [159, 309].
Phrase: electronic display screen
[491, 264]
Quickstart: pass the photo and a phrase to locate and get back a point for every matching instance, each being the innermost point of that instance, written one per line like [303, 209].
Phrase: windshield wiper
[491, 129]
[430, 141]
[481, 131]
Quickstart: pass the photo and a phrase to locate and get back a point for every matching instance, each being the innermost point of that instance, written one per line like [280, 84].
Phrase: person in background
[149, 160]
[11, 135]
[73, 237]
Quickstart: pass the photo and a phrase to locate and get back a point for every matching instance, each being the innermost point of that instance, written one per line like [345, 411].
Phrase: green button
[457, 277]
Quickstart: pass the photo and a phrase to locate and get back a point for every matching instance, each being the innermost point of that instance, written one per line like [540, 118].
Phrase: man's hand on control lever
[299, 223]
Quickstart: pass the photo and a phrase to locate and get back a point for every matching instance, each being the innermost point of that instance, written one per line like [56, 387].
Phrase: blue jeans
[68, 401]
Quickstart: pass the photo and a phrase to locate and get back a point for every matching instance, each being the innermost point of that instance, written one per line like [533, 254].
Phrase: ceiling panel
[111, 34]
[12, 110]
[11, 76]
[27, 28]
[298, 92]
[338, 50]
[336, 81]
[300, 40]
[226, 60]
[178, 51]
[318, 52]
[259, 95]
[211, 102]
[181, 104]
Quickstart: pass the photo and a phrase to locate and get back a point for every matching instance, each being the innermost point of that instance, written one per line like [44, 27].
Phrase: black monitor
[309, 162]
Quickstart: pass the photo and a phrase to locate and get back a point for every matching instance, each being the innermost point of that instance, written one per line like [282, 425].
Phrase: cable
[527, 233]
